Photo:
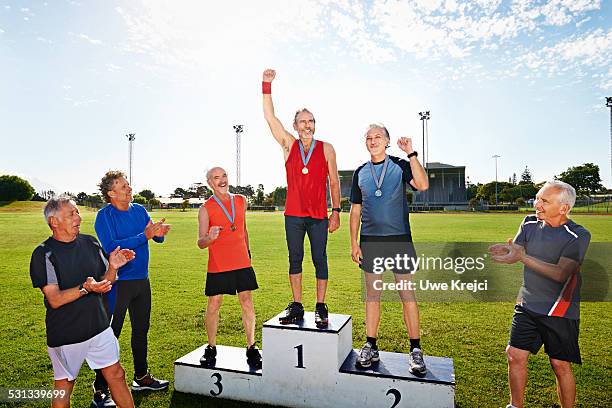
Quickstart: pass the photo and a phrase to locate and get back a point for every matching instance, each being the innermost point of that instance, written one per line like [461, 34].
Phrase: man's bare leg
[248, 315]
[566, 384]
[115, 377]
[67, 386]
[295, 279]
[212, 318]
[321, 290]
[517, 374]
[372, 305]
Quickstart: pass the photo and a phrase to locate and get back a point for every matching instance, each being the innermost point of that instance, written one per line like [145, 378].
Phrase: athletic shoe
[253, 357]
[321, 316]
[417, 364]
[148, 382]
[209, 359]
[101, 399]
[367, 356]
[293, 313]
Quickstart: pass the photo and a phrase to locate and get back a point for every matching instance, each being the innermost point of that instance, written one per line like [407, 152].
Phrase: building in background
[446, 187]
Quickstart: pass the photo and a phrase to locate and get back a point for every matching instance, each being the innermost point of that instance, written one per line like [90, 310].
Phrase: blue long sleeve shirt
[125, 229]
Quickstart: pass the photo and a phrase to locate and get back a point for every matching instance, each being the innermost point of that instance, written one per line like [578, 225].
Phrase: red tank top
[229, 251]
[306, 193]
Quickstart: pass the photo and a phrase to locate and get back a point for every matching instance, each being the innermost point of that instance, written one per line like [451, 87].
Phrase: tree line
[585, 179]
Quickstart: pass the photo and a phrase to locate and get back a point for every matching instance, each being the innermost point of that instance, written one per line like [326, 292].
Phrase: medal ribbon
[306, 159]
[382, 175]
[233, 217]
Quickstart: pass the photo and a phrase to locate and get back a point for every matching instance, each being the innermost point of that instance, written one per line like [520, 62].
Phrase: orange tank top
[229, 251]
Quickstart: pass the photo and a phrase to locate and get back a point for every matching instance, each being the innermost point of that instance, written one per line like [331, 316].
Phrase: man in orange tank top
[309, 164]
[222, 229]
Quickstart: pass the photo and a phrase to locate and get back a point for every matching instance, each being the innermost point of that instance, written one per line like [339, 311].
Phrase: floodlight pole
[131, 137]
[238, 129]
[609, 105]
[424, 117]
[496, 156]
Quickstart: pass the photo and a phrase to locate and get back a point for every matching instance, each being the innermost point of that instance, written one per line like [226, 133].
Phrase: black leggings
[295, 230]
[133, 296]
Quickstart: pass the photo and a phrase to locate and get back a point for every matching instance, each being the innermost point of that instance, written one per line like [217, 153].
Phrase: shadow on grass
[5, 203]
[180, 400]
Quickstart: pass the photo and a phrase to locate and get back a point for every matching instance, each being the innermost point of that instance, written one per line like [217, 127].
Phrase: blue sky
[523, 79]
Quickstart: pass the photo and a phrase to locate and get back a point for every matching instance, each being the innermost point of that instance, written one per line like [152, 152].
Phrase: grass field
[473, 334]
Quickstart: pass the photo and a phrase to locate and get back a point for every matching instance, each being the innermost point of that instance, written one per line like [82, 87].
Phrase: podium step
[440, 370]
[230, 359]
[336, 323]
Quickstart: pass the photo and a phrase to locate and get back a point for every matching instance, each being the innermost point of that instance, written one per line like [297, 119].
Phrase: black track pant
[133, 296]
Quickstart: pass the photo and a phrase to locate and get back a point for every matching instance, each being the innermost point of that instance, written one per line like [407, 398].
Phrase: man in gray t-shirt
[552, 248]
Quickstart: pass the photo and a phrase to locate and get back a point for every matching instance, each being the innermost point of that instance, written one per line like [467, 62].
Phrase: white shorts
[101, 351]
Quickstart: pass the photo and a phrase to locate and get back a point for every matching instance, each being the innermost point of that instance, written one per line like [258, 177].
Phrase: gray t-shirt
[540, 294]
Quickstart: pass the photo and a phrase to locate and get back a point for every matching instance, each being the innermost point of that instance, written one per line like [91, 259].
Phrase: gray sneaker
[367, 355]
[417, 364]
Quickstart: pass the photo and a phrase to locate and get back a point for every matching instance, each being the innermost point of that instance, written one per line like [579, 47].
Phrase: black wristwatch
[338, 209]
[413, 154]
[82, 289]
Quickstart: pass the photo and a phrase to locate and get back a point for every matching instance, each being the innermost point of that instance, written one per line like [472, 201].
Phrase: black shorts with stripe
[392, 252]
[230, 282]
[559, 335]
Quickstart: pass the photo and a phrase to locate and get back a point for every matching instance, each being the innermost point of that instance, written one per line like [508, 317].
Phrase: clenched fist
[269, 75]
[405, 143]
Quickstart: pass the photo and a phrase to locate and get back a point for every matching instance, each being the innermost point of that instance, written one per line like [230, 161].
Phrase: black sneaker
[148, 382]
[293, 313]
[209, 359]
[101, 399]
[367, 356]
[417, 363]
[253, 357]
[321, 315]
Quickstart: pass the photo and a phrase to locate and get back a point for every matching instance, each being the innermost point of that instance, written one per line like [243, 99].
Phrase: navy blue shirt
[386, 215]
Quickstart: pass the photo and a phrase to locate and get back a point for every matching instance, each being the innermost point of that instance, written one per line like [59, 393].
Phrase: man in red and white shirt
[309, 164]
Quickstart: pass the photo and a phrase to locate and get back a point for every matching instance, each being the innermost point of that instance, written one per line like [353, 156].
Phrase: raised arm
[419, 176]
[284, 138]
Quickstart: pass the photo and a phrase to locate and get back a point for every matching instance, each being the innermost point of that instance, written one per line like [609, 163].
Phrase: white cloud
[113, 68]
[89, 39]
[44, 40]
[2, 31]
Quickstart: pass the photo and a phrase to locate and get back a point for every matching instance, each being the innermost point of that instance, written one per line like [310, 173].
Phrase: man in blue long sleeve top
[128, 225]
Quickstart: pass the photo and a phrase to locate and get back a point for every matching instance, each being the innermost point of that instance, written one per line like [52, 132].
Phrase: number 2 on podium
[300, 356]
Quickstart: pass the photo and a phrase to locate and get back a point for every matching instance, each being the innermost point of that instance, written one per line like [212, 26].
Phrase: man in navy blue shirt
[379, 203]
[128, 225]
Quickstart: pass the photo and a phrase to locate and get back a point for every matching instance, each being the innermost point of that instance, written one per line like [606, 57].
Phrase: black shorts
[380, 252]
[230, 282]
[558, 334]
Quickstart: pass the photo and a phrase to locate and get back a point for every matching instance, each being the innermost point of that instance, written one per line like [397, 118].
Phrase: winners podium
[304, 366]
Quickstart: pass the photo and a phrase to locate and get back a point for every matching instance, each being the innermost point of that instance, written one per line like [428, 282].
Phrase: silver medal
[305, 170]
[378, 193]
[377, 181]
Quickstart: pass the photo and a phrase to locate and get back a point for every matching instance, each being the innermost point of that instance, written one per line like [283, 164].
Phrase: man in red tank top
[309, 164]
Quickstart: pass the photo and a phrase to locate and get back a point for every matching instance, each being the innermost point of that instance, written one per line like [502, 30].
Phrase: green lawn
[473, 334]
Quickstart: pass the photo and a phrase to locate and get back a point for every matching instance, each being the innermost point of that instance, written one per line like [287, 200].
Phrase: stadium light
[131, 137]
[609, 105]
[238, 129]
[496, 156]
[424, 117]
